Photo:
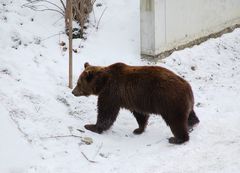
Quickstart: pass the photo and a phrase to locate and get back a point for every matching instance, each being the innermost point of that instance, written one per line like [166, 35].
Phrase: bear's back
[149, 88]
[121, 71]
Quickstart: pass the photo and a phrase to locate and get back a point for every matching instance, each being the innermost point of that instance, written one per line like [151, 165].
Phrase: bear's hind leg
[180, 132]
[192, 120]
[142, 120]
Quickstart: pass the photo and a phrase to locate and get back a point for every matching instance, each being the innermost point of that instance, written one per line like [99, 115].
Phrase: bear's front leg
[142, 120]
[107, 113]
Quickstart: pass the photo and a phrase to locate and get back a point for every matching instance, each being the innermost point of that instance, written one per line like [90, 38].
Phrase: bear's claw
[93, 128]
[138, 131]
[174, 140]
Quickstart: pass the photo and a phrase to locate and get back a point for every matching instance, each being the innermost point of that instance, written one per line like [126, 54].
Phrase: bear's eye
[78, 84]
[89, 76]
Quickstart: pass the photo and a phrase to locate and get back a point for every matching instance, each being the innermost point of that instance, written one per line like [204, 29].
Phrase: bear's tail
[192, 119]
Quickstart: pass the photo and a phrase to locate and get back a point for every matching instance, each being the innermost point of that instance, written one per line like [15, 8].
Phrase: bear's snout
[76, 92]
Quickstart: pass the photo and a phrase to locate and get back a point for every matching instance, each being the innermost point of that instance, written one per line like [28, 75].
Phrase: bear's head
[91, 81]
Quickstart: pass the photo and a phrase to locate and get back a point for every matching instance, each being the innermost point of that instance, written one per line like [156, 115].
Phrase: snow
[13, 147]
[40, 117]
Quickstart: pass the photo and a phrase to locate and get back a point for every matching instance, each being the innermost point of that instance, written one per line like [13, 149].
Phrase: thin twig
[61, 136]
[54, 5]
[20, 130]
[58, 20]
[34, 7]
[91, 161]
[101, 18]
[94, 16]
[82, 131]
[47, 9]
[52, 36]
[64, 6]
[98, 150]
[46, 1]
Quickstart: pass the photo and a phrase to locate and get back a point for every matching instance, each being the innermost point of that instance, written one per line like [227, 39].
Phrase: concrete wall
[167, 24]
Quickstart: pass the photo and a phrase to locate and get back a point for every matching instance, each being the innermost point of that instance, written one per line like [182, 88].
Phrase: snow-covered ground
[40, 118]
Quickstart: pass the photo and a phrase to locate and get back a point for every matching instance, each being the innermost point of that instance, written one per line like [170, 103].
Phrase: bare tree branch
[37, 1]
[64, 6]
[81, 10]
[46, 10]
[33, 5]
[54, 5]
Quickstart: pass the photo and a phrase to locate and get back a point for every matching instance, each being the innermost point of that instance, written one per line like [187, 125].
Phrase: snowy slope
[40, 117]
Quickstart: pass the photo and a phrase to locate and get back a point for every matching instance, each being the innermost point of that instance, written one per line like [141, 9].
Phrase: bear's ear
[86, 64]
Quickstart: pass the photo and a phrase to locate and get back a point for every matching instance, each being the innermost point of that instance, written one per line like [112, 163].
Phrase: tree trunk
[69, 25]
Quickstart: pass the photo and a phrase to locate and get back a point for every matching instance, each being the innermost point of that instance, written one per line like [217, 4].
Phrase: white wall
[166, 24]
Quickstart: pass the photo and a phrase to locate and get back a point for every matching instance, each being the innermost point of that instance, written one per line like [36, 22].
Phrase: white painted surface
[168, 24]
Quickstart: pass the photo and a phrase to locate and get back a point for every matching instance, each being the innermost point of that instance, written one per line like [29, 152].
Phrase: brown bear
[143, 90]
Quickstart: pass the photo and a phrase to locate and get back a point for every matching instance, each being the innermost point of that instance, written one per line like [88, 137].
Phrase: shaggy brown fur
[143, 90]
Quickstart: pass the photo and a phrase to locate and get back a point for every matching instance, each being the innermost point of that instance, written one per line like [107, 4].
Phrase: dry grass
[81, 11]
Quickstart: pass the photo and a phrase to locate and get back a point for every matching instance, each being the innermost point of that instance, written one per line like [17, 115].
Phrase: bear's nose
[74, 92]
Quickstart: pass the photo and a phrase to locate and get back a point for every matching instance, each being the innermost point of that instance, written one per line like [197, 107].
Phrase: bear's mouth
[79, 93]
